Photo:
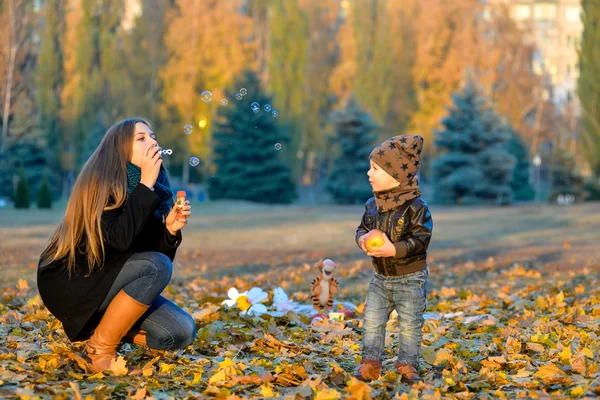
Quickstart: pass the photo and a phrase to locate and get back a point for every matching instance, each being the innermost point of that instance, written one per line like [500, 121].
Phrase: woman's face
[143, 138]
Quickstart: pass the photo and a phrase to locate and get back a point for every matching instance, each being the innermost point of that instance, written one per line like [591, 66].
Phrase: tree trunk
[10, 73]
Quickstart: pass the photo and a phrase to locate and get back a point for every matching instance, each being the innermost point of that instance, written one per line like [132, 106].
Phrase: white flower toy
[248, 302]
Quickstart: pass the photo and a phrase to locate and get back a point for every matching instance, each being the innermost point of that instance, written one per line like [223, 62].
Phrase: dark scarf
[162, 188]
[400, 157]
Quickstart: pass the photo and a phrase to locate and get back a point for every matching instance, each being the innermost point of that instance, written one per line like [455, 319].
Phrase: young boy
[401, 262]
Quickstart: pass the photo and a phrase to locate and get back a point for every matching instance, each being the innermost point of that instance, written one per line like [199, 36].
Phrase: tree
[16, 59]
[31, 156]
[245, 150]
[44, 198]
[49, 81]
[564, 176]
[209, 43]
[475, 167]
[588, 87]
[377, 56]
[22, 192]
[521, 185]
[356, 136]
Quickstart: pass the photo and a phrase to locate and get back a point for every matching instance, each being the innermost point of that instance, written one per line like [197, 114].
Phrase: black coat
[409, 228]
[131, 228]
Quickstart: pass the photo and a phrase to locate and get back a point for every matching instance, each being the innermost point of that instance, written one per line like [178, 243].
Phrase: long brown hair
[101, 185]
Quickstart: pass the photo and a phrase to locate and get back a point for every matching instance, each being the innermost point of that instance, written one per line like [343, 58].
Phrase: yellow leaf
[577, 392]
[513, 345]
[565, 355]
[547, 371]
[578, 364]
[523, 373]
[442, 356]
[167, 368]
[118, 367]
[218, 377]
[227, 362]
[147, 370]
[541, 303]
[197, 379]
[98, 375]
[266, 391]
[560, 298]
[327, 394]
[587, 352]
[75, 387]
[22, 285]
[140, 394]
[358, 390]
[551, 374]
[500, 360]
[535, 347]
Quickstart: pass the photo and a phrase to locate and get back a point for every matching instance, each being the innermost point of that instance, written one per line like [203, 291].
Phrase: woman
[111, 256]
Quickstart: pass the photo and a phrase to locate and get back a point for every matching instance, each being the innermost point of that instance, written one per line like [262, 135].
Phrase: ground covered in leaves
[492, 331]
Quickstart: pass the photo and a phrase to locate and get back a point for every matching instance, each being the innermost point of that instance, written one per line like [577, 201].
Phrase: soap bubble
[224, 102]
[206, 96]
[239, 96]
[277, 146]
[166, 152]
[255, 107]
[188, 129]
[267, 107]
[243, 91]
[194, 161]
[275, 113]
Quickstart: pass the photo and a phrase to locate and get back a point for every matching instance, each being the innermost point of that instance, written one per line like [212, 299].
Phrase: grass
[228, 237]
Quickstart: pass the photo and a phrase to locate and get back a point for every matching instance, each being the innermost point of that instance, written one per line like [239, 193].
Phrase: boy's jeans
[406, 294]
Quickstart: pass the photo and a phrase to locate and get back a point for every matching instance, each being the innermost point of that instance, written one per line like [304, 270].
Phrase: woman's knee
[160, 265]
[185, 333]
[177, 335]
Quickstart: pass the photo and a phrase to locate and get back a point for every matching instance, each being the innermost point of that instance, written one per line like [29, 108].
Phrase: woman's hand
[150, 165]
[387, 250]
[177, 217]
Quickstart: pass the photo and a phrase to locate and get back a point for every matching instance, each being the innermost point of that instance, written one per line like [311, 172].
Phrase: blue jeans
[407, 294]
[143, 277]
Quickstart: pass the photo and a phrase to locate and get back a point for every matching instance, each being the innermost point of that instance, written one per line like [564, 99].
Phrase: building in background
[555, 26]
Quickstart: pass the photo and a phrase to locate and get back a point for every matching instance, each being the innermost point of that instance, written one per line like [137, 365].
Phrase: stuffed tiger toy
[324, 286]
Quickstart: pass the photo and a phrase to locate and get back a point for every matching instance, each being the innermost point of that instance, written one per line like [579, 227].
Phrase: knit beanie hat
[400, 157]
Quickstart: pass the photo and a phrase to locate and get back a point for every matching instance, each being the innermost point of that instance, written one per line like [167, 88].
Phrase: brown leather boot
[122, 312]
[410, 375]
[137, 337]
[368, 370]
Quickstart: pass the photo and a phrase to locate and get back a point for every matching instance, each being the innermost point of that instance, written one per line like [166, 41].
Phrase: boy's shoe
[410, 375]
[368, 370]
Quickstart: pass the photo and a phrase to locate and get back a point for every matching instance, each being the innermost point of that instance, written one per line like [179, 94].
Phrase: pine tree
[22, 192]
[588, 86]
[44, 198]
[356, 137]
[245, 150]
[521, 185]
[49, 79]
[564, 176]
[33, 158]
[475, 167]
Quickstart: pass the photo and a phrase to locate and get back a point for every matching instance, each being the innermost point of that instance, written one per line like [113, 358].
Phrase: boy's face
[379, 179]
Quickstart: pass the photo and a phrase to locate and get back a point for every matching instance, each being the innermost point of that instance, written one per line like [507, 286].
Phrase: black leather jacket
[409, 229]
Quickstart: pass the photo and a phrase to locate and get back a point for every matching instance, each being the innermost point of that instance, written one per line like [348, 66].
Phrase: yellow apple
[374, 239]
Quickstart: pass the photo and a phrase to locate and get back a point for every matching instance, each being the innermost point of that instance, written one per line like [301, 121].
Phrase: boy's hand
[361, 242]
[387, 250]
